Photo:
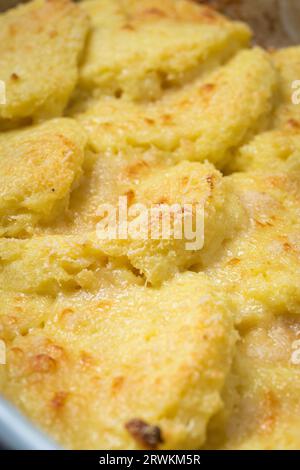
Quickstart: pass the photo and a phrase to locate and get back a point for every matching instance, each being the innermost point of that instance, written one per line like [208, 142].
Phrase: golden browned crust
[40, 46]
[144, 344]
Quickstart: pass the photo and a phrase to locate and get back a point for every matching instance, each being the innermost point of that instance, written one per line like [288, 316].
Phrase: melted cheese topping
[40, 45]
[144, 344]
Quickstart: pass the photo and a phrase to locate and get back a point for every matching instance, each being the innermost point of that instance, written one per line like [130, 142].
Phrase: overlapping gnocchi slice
[187, 215]
[279, 149]
[46, 265]
[273, 151]
[107, 176]
[127, 368]
[34, 271]
[261, 267]
[40, 45]
[140, 47]
[261, 394]
[204, 120]
[40, 165]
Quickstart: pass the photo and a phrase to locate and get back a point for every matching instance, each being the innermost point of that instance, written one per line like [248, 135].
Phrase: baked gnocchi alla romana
[143, 343]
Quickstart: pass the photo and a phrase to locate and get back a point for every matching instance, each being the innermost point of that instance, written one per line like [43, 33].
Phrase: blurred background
[4, 4]
[276, 22]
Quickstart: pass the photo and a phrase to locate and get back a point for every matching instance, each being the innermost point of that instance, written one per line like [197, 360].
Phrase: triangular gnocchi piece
[198, 122]
[138, 48]
[260, 268]
[274, 151]
[130, 367]
[40, 45]
[190, 214]
[49, 264]
[39, 166]
[279, 148]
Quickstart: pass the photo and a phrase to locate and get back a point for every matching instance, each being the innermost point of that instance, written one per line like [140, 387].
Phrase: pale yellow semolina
[260, 269]
[39, 167]
[146, 344]
[287, 62]
[40, 47]
[106, 176]
[198, 122]
[276, 151]
[138, 49]
[108, 359]
[216, 214]
[262, 392]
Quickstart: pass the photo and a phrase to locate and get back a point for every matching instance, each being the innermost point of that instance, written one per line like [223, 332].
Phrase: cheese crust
[131, 343]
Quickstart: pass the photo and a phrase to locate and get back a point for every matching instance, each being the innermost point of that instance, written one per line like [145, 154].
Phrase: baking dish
[15, 431]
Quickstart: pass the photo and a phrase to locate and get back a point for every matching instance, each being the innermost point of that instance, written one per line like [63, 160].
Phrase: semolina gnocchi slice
[20, 313]
[260, 268]
[261, 393]
[48, 265]
[273, 151]
[278, 149]
[33, 272]
[106, 177]
[198, 122]
[200, 216]
[40, 165]
[137, 48]
[105, 368]
[40, 45]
